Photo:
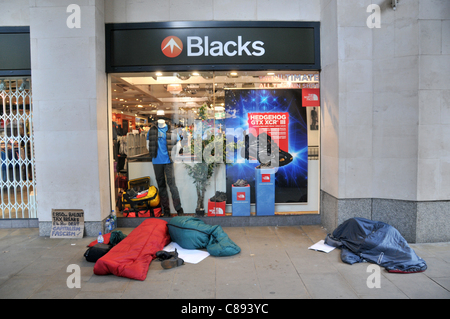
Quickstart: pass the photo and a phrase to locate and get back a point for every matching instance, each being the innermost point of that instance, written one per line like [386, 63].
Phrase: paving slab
[274, 263]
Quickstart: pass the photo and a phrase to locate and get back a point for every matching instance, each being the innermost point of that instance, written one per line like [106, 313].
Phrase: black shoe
[180, 212]
[264, 165]
[240, 183]
[166, 212]
[219, 197]
[172, 263]
[267, 154]
[165, 255]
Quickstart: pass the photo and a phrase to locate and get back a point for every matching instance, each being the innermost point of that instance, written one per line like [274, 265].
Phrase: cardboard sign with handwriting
[67, 223]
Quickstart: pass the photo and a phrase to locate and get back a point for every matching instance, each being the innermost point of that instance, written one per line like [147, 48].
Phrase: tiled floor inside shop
[274, 262]
[14, 204]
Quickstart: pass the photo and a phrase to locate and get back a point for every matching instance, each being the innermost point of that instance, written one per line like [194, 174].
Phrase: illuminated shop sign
[212, 46]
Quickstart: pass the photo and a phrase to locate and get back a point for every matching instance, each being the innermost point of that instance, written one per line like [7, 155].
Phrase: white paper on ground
[321, 246]
[192, 256]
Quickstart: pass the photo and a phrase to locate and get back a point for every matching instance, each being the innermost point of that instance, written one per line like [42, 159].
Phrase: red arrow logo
[172, 46]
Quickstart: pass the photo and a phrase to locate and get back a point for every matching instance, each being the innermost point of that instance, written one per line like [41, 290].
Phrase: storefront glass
[17, 184]
[239, 143]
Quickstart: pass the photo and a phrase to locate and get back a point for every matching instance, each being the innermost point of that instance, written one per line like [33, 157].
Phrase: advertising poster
[279, 114]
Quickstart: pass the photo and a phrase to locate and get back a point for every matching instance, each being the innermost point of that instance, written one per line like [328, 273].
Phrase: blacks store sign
[213, 45]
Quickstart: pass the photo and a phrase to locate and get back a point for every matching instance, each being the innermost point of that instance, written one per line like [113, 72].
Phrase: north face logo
[240, 196]
[265, 178]
[172, 46]
[312, 97]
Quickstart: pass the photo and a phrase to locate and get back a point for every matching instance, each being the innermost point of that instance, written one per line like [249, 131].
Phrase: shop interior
[209, 101]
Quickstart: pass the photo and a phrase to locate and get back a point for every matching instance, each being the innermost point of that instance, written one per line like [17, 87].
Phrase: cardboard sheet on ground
[192, 256]
[321, 246]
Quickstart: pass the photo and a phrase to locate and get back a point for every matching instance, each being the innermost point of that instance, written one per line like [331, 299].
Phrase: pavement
[274, 263]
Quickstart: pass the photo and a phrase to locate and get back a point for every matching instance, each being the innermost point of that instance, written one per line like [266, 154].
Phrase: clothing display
[165, 177]
[153, 138]
[162, 154]
[159, 145]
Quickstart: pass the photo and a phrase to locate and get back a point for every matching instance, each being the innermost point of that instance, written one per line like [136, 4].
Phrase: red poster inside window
[310, 97]
[276, 125]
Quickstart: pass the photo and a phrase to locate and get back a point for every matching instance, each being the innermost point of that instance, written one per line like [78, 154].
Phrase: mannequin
[159, 145]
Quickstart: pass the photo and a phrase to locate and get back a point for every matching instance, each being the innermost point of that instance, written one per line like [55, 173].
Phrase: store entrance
[220, 130]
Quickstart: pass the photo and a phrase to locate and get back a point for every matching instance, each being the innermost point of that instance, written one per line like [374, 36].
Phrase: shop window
[226, 130]
[17, 185]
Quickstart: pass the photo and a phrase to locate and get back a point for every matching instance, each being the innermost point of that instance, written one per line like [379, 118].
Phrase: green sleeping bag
[193, 233]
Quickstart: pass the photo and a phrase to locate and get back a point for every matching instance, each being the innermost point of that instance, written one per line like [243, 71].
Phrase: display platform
[265, 191]
[240, 200]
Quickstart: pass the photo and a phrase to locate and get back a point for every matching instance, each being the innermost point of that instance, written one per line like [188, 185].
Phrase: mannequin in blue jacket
[159, 144]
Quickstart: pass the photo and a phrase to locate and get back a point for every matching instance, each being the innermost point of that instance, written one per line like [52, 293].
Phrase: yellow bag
[153, 196]
[143, 195]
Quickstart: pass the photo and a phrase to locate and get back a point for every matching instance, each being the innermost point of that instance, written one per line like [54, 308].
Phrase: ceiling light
[174, 88]
[159, 74]
[160, 112]
[233, 74]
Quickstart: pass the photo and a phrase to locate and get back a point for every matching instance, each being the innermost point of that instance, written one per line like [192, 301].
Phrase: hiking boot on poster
[269, 154]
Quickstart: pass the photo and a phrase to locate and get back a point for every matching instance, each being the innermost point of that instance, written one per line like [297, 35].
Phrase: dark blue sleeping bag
[363, 240]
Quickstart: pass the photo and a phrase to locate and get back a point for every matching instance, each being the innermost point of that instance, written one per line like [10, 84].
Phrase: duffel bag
[148, 213]
[127, 212]
[151, 198]
[130, 212]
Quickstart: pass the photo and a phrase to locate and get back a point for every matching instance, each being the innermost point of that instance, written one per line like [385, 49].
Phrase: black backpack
[97, 251]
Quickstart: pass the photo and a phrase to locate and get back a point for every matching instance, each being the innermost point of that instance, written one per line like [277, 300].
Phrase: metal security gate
[17, 178]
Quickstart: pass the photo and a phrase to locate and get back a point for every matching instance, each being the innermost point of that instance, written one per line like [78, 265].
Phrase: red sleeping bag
[132, 256]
